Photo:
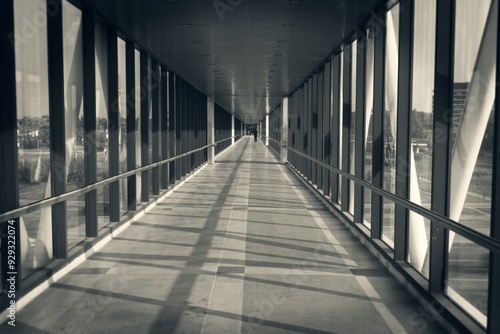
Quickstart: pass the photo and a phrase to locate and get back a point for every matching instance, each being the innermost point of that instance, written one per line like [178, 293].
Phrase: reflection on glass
[421, 132]
[122, 114]
[390, 119]
[102, 137]
[368, 133]
[33, 134]
[73, 95]
[352, 144]
[472, 150]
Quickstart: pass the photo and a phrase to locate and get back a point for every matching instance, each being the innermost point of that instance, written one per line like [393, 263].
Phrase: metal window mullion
[90, 121]
[164, 125]
[171, 127]
[145, 91]
[155, 119]
[326, 126]
[9, 190]
[57, 129]
[313, 103]
[335, 125]
[403, 126]
[443, 92]
[378, 125]
[319, 133]
[178, 104]
[360, 139]
[493, 325]
[346, 125]
[130, 107]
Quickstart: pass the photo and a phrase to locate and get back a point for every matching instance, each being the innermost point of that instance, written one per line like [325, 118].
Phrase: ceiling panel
[247, 56]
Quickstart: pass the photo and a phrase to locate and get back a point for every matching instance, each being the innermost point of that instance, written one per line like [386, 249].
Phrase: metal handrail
[479, 238]
[13, 214]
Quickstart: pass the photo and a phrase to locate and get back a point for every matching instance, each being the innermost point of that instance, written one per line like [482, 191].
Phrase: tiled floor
[242, 247]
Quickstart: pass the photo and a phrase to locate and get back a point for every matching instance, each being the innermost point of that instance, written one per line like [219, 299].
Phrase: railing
[13, 214]
[468, 233]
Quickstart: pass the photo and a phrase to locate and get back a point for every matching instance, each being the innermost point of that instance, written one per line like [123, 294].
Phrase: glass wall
[390, 120]
[102, 136]
[352, 145]
[472, 151]
[421, 131]
[368, 133]
[73, 97]
[33, 133]
[122, 110]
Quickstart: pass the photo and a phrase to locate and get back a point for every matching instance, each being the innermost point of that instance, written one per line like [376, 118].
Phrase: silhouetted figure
[254, 135]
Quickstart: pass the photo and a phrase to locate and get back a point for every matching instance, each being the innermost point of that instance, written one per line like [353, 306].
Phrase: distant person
[254, 135]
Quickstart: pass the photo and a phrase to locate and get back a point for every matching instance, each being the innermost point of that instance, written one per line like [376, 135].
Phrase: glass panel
[467, 279]
[368, 133]
[33, 130]
[101, 54]
[421, 119]
[472, 149]
[122, 110]
[33, 134]
[138, 140]
[352, 144]
[390, 119]
[73, 94]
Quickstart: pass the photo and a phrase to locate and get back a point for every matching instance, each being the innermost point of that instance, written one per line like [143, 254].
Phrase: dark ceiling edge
[350, 38]
[101, 18]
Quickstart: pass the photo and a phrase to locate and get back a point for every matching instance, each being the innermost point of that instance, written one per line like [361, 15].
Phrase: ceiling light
[287, 25]
[277, 54]
[295, 1]
[187, 25]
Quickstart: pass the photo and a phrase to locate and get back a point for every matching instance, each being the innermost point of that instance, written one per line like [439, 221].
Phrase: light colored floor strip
[384, 312]
[321, 224]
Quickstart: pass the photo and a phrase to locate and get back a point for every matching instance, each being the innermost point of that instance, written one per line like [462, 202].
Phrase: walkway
[242, 247]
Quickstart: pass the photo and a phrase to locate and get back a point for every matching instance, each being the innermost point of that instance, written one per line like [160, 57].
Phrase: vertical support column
[267, 129]
[232, 130]
[9, 193]
[155, 87]
[327, 121]
[336, 109]
[346, 125]
[211, 129]
[144, 126]
[90, 120]
[359, 160]
[443, 91]
[378, 126]
[113, 125]
[57, 129]
[171, 127]
[494, 272]
[284, 130]
[130, 105]
[164, 125]
[403, 126]
[178, 122]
